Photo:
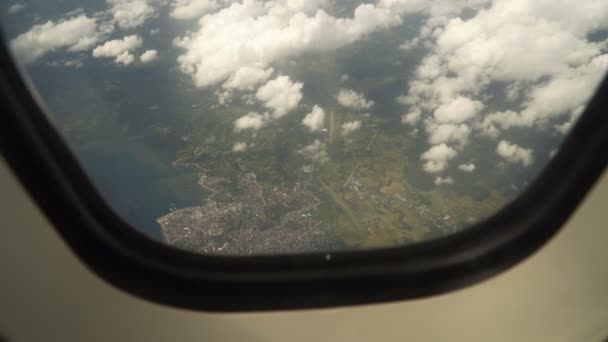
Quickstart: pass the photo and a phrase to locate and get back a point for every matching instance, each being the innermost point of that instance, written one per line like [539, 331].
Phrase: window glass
[241, 127]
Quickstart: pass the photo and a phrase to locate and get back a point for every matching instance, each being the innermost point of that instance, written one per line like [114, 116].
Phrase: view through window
[241, 127]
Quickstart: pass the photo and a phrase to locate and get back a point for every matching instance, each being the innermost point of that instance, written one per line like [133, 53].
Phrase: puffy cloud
[565, 127]
[119, 49]
[248, 99]
[448, 133]
[353, 100]
[281, 95]
[412, 117]
[192, 9]
[460, 110]
[524, 41]
[16, 8]
[315, 119]
[316, 152]
[513, 153]
[430, 68]
[540, 53]
[257, 33]
[437, 157]
[567, 92]
[239, 147]
[148, 56]
[73, 63]
[306, 6]
[442, 181]
[410, 44]
[438, 9]
[74, 34]
[246, 78]
[128, 14]
[224, 97]
[470, 167]
[252, 120]
[351, 126]
[124, 58]
[490, 124]
[519, 40]
[115, 47]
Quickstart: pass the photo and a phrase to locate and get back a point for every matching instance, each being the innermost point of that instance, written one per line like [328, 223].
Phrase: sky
[485, 68]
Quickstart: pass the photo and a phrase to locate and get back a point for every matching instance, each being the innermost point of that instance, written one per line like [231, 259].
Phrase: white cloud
[519, 40]
[564, 127]
[460, 110]
[74, 34]
[412, 117]
[239, 147]
[350, 126]
[539, 51]
[315, 119]
[119, 49]
[224, 97]
[252, 120]
[248, 99]
[513, 91]
[281, 95]
[257, 33]
[116, 47]
[306, 6]
[437, 157]
[514, 153]
[522, 41]
[491, 123]
[148, 56]
[448, 133]
[124, 58]
[470, 167]
[436, 8]
[316, 152]
[353, 100]
[442, 181]
[73, 63]
[192, 9]
[16, 8]
[564, 95]
[129, 14]
[246, 78]
[430, 68]
[410, 44]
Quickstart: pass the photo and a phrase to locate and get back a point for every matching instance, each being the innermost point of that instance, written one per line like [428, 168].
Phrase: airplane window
[250, 127]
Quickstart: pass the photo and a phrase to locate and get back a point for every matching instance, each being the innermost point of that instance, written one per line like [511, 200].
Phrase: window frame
[154, 271]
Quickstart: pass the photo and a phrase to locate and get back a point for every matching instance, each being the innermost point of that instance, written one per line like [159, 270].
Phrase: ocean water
[139, 185]
[126, 135]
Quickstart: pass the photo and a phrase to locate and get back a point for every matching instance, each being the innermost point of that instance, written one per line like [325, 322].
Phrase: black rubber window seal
[159, 273]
